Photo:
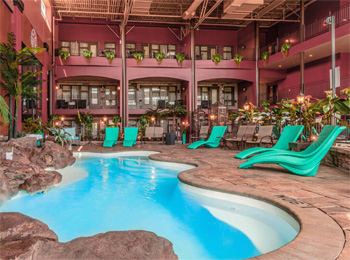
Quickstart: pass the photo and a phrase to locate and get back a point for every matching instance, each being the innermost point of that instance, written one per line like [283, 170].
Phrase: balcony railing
[318, 27]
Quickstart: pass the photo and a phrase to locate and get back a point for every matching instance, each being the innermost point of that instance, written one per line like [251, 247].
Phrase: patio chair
[203, 133]
[303, 163]
[290, 134]
[153, 132]
[72, 136]
[111, 136]
[264, 136]
[214, 139]
[238, 138]
[130, 136]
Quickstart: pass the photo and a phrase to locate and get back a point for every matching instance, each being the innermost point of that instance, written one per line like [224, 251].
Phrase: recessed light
[310, 55]
[280, 65]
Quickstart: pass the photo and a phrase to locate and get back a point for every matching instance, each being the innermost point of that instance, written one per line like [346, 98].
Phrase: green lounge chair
[130, 136]
[214, 139]
[290, 134]
[301, 163]
[111, 137]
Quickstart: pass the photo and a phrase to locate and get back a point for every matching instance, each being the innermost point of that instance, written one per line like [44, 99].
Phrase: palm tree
[16, 82]
[4, 110]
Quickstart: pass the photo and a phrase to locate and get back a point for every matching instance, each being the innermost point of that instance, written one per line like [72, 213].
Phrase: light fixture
[153, 118]
[212, 117]
[301, 98]
[62, 118]
[246, 106]
[287, 40]
[118, 88]
[328, 20]
[313, 137]
[57, 123]
[280, 66]
[310, 55]
[105, 118]
[57, 87]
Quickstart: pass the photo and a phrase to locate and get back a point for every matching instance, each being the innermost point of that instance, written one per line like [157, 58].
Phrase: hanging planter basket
[180, 58]
[285, 49]
[265, 57]
[139, 57]
[238, 59]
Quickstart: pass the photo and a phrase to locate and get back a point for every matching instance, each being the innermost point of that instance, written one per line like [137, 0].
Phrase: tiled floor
[321, 203]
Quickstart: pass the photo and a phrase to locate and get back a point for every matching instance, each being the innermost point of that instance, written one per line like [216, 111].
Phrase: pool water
[135, 193]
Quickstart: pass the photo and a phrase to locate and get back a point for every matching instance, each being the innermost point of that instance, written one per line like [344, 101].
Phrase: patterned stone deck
[320, 203]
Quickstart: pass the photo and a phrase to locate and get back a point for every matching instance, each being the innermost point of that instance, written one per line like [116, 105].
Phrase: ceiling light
[310, 55]
[280, 66]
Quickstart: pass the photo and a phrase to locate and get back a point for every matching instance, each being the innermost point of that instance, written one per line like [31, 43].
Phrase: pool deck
[320, 203]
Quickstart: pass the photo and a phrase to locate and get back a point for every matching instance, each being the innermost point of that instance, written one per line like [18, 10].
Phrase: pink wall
[246, 37]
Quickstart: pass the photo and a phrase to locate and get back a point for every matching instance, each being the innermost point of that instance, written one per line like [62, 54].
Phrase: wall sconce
[118, 88]
[246, 106]
[212, 117]
[57, 87]
[62, 118]
[313, 137]
[105, 118]
[56, 123]
[153, 118]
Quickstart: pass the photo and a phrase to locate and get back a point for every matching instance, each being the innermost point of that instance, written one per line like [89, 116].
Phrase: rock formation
[25, 238]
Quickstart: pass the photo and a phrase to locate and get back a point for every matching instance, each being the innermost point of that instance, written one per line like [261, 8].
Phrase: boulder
[27, 238]
[24, 142]
[15, 176]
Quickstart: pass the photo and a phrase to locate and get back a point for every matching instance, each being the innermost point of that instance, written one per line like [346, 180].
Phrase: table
[297, 146]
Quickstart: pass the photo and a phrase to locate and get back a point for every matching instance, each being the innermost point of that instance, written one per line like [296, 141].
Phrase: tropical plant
[285, 48]
[117, 119]
[103, 131]
[63, 55]
[265, 57]
[14, 81]
[86, 120]
[87, 54]
[216, 58]
[238, 59]
[159, 57]
[33, 126]
[180, 58]
[110, 55]
[138, 56]
[53, 118]
[21, 134]
[175, 111]
[60, 136]
[156, 113]
[4, 111]
[144, 122]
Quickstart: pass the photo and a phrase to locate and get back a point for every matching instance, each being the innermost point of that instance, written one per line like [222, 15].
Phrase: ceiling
[232, 13]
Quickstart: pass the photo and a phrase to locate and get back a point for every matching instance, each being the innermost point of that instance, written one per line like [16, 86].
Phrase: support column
[257, 72]
[302, 39]
[333, 121]
[124, 86]
[45, 86]
[192, 90]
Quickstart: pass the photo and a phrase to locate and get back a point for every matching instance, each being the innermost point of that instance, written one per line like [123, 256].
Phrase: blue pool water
[134, 193]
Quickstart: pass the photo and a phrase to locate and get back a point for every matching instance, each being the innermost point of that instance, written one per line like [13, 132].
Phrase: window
[43, 9]
[229, 96]
[227, 53]
[204, 52]
[132, 97]
[83, 46]
[145, 50]
[152, 94]
[77, 48]
[149, 50]
[202, 94]
[111, 96]
[130, 49]
[109, 46]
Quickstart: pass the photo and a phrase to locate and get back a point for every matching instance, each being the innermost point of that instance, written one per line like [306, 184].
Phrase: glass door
[214, 95]
[94, 97]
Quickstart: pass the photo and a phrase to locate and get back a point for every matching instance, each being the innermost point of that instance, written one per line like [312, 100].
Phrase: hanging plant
[180, 58]
[265, 57]
[110, 55]
[285, 48]
[238, 58]
[63, 55]
[216, 58]
[138, 56]
[159, 57]
[88, 55]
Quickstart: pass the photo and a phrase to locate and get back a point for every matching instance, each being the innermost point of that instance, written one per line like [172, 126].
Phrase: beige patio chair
[153, 132]
[264, 136]
[237, 139]
[203, 132]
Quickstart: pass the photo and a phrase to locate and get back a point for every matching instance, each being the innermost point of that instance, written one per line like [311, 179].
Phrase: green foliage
[14, 81]
[87, 54]
[110, 55]
[159, 57]
[238, 59]
[180, 58]
[138, 56]
[103, 131]
[60, 136]
[4, 111]
[144, 122]
[265, 56]
[175, 111]
[21, 134]
[216, 58]
[52, 119]
[33, 126]
[117, 119]
[285, 48]
[64, 55]
[86, 120]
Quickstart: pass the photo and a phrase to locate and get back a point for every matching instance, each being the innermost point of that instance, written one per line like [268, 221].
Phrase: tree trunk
[10, 131]
[15, 119]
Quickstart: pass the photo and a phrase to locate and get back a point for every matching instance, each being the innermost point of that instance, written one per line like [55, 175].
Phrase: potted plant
[117, 120]
[180, 58]
[265, 57]
[217, 58]
[238, 58]
[285, 48]
[63, 55]
[159, 57]
[138, 56]
[110, 55]
[87, 54]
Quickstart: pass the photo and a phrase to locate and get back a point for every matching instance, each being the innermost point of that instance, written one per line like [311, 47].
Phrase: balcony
[94, 61]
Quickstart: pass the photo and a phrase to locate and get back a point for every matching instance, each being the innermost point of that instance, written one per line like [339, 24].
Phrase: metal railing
[318, 27]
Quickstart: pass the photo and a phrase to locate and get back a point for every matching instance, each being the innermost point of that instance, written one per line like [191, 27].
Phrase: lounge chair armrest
[266, 137]
[245, 137]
